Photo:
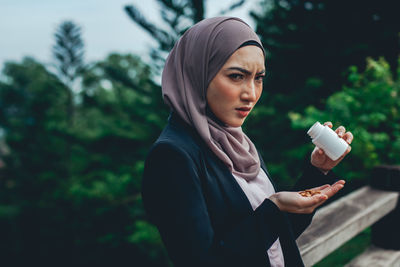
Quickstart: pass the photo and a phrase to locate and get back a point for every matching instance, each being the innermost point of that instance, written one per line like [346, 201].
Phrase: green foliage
[70, 188]
[76, 186]
[177, 16]
[146, 237]
[68, 51]
[309, 46]
[308, 40]
[369, 107]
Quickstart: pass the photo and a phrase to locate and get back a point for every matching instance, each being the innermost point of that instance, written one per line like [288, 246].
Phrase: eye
[236, 76]
[260, 78]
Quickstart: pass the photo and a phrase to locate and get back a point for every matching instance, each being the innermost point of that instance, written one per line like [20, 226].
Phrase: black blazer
[202, 214]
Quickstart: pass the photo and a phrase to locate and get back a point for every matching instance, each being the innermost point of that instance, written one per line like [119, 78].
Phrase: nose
[249, 92]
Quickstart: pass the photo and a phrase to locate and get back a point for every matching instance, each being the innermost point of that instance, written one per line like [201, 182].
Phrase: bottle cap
[315, 130]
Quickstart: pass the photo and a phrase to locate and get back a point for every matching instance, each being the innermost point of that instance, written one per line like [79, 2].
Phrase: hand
[295, 203]
[318, 157]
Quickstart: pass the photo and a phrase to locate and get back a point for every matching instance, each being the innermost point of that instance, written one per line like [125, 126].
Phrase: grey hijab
[191, 65]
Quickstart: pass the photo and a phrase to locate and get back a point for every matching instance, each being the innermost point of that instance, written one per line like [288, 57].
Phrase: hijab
[190, 67]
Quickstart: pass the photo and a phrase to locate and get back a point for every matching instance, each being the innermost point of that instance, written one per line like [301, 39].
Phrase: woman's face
[236, 88]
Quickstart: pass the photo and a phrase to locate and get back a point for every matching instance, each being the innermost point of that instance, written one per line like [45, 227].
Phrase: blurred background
[80, 105]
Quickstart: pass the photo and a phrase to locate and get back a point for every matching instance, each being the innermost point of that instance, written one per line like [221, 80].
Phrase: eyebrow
[244, 70]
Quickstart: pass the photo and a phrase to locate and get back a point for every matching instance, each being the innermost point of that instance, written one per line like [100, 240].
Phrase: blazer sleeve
[175, 203]
[311, 177]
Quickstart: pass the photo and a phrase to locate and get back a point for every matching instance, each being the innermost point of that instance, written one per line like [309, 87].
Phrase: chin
[235, 123]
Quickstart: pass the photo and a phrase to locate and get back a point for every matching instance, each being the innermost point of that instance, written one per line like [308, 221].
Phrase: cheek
[227, 91]
[223, 91]
[259, 92]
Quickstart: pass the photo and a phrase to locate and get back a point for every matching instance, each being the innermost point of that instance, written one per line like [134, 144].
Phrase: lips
[244, 108]
[243, 111]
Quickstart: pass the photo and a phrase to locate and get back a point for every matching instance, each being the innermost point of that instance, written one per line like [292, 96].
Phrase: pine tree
[178, 16]
[69, 55]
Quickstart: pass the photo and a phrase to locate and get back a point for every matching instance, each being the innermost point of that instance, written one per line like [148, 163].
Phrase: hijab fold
[190, 67]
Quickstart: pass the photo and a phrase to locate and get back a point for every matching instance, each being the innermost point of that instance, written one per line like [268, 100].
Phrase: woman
[205, 186]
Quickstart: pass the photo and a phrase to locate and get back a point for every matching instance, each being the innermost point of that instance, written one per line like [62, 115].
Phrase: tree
[69, 52]
[73, 191]
[34, 121]
[122, 114]
[369, 106]
[178, 16]
[310, 45]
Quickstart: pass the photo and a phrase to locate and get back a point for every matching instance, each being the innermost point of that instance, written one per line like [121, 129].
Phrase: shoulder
[177, 138]
[173, 164]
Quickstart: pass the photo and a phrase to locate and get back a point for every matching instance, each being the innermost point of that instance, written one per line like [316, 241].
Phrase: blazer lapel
[232, 190]
[262, 165]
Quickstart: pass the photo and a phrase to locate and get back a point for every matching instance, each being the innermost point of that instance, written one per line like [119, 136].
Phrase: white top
[257, 190]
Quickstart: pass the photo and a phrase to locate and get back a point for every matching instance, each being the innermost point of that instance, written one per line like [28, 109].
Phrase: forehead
[250, 56]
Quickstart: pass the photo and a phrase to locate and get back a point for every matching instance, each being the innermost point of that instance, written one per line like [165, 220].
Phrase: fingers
[317, 154]
[333, 189]
[340, 182]
[327, 191]
[340, 131]
[310, 203]
[319, 199]
[348, 137]
[347, 151]
[320, 188]
[294, 202]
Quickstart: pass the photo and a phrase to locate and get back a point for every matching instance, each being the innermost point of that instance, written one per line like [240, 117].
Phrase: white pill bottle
[325, 138]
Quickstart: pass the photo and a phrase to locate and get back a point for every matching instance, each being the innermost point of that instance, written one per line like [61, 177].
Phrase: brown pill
[309, 193]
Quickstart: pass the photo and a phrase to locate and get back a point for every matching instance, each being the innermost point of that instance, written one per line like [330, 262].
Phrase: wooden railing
[338, 222]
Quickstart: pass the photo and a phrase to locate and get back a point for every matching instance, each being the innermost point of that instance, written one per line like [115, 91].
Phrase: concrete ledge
[341, 220]
[377, 257]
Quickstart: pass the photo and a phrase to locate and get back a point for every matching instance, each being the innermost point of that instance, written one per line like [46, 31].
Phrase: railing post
[386, 232]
